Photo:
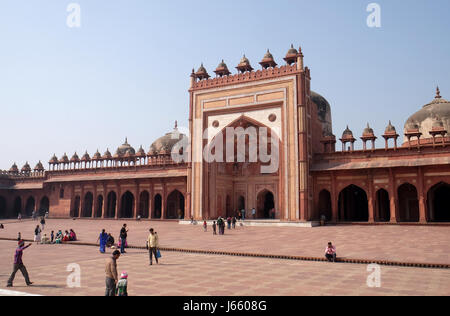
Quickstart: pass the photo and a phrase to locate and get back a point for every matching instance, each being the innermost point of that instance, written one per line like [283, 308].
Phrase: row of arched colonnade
[25, 205]
[127, 205]
[353, 205]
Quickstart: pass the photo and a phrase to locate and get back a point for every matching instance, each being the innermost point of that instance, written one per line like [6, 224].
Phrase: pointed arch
[353, 204]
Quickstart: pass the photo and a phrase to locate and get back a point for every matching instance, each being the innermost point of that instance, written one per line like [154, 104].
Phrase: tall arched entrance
[44, 206]
[157, 206]
[408, 203]
[76, 207]
[353, 205]
[241, 203]
[383, 207]
[144, 204]
[17, 206]
[30, 206]
[265, 202]
[175, 205]
[111, 205]
[127, 205]
[228, 206]
[3, 210]
[439, 203]
[88, 204]
[325, 205]
[99, 210]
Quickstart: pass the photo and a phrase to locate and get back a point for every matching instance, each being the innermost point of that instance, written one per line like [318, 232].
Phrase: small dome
[39, 167]
[368, 130]
[202, 73]
[141, 152]
[222, 69]
[292, 51]
[14, 168]
[107, 154]
[97, 156]
[75, 158]
[244, 60]
[268, 61]
[390, 129]
[64, 159]
[347, 133]
[291, 56]
[53, 160]
[125, 148]
[86, 157]
[244, 65]
[26, 168]
[164, 144]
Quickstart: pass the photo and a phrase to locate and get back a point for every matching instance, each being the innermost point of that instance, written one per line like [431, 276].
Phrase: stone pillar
[422, 196]
[334, 198]
[371, 199]
[95, 202]
[136, 200]
[119, 201]
[151, 201]
[81, 201]
[163, 202]
[393, 198]
[105, 201]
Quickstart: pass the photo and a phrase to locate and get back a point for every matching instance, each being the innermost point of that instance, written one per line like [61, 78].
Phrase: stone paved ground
[423, 244]
[197, 275]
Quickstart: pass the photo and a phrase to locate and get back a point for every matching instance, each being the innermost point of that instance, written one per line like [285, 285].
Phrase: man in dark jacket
[123, 238]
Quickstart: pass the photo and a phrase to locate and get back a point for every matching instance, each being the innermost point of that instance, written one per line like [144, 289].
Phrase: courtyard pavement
[182, 274]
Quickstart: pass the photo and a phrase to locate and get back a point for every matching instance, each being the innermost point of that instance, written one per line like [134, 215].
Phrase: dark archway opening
[383, 207]
[17, 206]
[353, 205]
[144, 204]
[44, 206]
[111, 205]
[265, 202]
[76, 207]
[175, 205]
[439, 203]
[3, 210]
[88, 204]
[408, 203]
[325, 205]
[228, 208]
[158, 206]
[99, 210]
[29, 207]
[127, 205]
[241, 203]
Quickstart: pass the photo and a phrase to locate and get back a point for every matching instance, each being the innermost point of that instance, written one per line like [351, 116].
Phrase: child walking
[122, 285]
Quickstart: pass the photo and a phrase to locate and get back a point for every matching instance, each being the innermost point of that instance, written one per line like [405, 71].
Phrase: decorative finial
[176, 124]
[126, 140]
[438, 93]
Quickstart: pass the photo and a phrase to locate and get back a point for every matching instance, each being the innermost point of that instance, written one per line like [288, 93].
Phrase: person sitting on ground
[66, 237]
[19, 236]
[1, 226]
[59, 237]
[110, 241]
[72, 235]
[330, 252]
[45, 240]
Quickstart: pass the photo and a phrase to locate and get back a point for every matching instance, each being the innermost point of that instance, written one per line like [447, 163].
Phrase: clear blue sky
[125, 72]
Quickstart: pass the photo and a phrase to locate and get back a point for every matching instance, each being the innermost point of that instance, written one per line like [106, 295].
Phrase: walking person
[37, 234]
[102, 239]
[214, 226]
[111, 274]
[152, 245]
[18, 265]
[52, 236]
[253, 213]
[229, 222]
[42, 223]
[233, 221]
[123, 238]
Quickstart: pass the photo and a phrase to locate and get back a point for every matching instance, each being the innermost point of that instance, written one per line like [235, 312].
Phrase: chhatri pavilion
[407, 180]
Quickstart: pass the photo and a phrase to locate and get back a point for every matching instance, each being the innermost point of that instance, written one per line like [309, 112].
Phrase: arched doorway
[241, 203]
[127, 205]
[76, 207]
[17, 206]
[353, 205]
[144, 204]
[44, 206]
[99, 210]
[383, 207]
[228, 206]
[3, 210]
[88, 204]
[265, 202]
[30, 206]
[325, 205]
[157, 206]
[439, 203]
[408, 203]
[175, 205]
[111, 205]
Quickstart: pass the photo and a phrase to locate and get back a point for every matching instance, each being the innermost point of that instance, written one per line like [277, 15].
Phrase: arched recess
[30, 206]
[127, 205]
[111, 205]
[439, 203]
[3, 207]
[76, 207]
[17, 206]
[265, 203]
[99, 210]
[144, 204]
[88, 205]
[408, 203]
[228, 208]
[175, 205]
[44, 206]
[157, 206]
[353, 205]
[383, 206]
[325, 205]
[241, 203]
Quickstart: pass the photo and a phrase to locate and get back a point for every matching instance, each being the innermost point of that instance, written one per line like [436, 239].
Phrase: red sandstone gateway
[393, 184]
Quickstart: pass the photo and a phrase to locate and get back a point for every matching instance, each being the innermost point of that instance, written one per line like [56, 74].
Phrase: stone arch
[265, 202]
[88, 205]
[30, 206]
[383, 206]
[408, 203]
[353, 204]
[157, 210]
[438, 206]
[127, 205]
[76, 207]
[99, 210]
[241, 203]
[111, 204]
[325, 205]
[3, 207]
[144, 204]
[44, 206]
[175, 205]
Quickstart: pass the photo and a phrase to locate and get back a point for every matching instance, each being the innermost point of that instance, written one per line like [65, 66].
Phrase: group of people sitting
[59, 238]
